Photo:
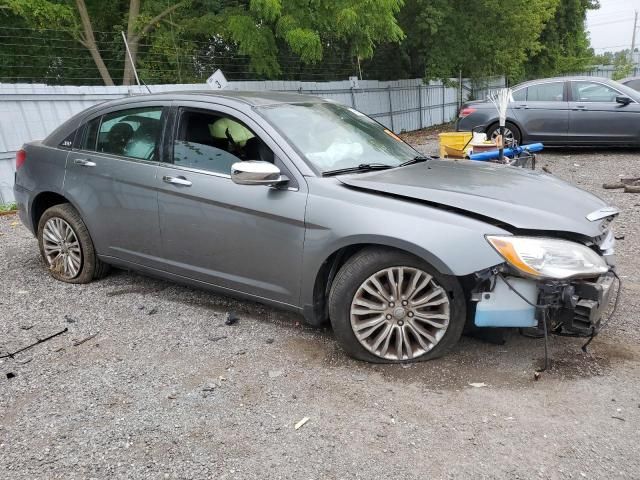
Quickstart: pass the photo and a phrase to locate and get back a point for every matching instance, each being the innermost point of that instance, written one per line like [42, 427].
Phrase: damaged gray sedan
[312, 206]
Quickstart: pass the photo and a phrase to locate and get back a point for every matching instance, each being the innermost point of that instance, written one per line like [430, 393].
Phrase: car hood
[524, 199]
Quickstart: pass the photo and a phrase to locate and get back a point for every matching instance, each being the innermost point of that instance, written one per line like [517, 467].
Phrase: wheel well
[325, 276]
[41, 203]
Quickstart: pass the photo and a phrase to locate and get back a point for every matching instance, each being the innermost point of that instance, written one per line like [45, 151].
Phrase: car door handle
[524, 105]
[84, 163]
[177, 181]
[579, 107]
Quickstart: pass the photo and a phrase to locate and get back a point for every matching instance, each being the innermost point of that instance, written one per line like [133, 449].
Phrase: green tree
[261, 30]
[564, 42]
[479, 38]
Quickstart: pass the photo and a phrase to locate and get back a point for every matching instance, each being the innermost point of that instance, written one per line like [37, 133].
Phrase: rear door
[543, 111]
[596, 117]
[111, 179]
[242, 238]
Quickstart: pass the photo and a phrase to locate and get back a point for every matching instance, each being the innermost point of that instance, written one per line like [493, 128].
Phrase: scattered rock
[69, 319]
[619, 237]
[231, 318]
[26, 327]
[478, 385]
[269, 341]
[153, 311]
[275, 373]
[612, 186]
[215, 339]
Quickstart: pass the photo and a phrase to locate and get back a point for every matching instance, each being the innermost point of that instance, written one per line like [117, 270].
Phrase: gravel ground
[149, 382]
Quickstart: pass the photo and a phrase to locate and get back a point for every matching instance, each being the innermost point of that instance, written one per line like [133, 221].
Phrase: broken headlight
[548, 257]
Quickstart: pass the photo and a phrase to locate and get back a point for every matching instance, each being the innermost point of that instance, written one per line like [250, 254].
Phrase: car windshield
[332, 136]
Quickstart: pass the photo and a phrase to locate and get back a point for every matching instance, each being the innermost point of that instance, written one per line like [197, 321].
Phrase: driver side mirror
[256, 172]
[623, 100]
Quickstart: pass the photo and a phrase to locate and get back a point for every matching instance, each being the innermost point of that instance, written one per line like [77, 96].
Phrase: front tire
[66, 246]
[387, 306]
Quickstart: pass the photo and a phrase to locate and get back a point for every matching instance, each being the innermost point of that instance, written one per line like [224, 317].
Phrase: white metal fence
[31, 111]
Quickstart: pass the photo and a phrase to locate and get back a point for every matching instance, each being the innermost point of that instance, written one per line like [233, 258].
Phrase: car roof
[563, 79]
[252, 98]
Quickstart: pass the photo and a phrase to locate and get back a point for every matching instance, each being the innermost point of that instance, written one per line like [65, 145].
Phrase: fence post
[353, 99]
[391, 108]
[443, 102]
[420, 105]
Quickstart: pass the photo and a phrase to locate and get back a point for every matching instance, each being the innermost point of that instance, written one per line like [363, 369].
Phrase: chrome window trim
[115, 157]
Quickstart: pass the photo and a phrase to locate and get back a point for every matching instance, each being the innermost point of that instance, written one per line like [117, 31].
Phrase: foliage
[8, 207]
[622, 66]
[564, 42]
[295, 39]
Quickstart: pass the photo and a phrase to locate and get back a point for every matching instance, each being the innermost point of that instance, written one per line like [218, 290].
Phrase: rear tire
[512, 133]
[403, 316]
[66, 246]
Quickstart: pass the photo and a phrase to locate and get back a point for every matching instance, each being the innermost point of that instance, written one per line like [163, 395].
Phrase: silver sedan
[562, 111]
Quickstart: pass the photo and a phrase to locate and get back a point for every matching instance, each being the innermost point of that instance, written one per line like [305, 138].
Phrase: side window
[592, 92]
[131, 133]
[90, 135]
[213, 142]
[67, 143]
[546, 92]
[520, 95]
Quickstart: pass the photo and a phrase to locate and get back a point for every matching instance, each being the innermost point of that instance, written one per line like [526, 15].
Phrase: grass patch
[8, 207]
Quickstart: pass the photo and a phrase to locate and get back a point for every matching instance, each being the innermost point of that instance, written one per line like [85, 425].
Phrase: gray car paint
[565, 122]
[536, 201]
[276, 240]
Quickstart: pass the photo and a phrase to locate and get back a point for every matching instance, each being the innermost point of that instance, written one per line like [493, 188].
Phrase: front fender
[338, 216]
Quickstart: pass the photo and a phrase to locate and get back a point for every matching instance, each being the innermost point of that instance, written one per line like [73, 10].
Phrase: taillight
[21, 156]
[466, 111]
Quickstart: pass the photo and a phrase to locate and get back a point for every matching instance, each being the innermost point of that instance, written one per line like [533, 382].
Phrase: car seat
[117, 138]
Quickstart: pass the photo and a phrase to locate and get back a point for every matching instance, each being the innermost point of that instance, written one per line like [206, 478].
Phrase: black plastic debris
[231, 318]
[69, 319]
[10, 375]
[153, 311]
[10, 355]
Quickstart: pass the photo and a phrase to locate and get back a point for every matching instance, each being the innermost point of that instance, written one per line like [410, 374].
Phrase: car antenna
[133, 65]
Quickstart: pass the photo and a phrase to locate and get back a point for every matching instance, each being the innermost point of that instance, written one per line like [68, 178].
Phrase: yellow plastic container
[454, 144]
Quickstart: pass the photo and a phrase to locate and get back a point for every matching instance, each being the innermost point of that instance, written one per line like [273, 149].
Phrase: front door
[111, 179]
[543, 112]
[596, 117]
[243, 238]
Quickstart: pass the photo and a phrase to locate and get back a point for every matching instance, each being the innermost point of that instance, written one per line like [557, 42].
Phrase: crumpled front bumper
[574, 307]
[584, 305]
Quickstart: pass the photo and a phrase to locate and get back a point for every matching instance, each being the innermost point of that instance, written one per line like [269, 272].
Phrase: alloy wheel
[62, 248]
[400, 313]
[509, 137]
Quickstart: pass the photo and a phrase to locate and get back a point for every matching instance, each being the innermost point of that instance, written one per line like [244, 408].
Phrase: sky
[611, 26]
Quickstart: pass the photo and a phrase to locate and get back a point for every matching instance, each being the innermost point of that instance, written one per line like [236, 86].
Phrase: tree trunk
[89, 41]
[133, 38]
[132, 41]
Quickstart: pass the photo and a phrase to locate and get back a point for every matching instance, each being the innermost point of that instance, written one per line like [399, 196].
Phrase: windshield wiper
[416, 159]
[363, 167]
